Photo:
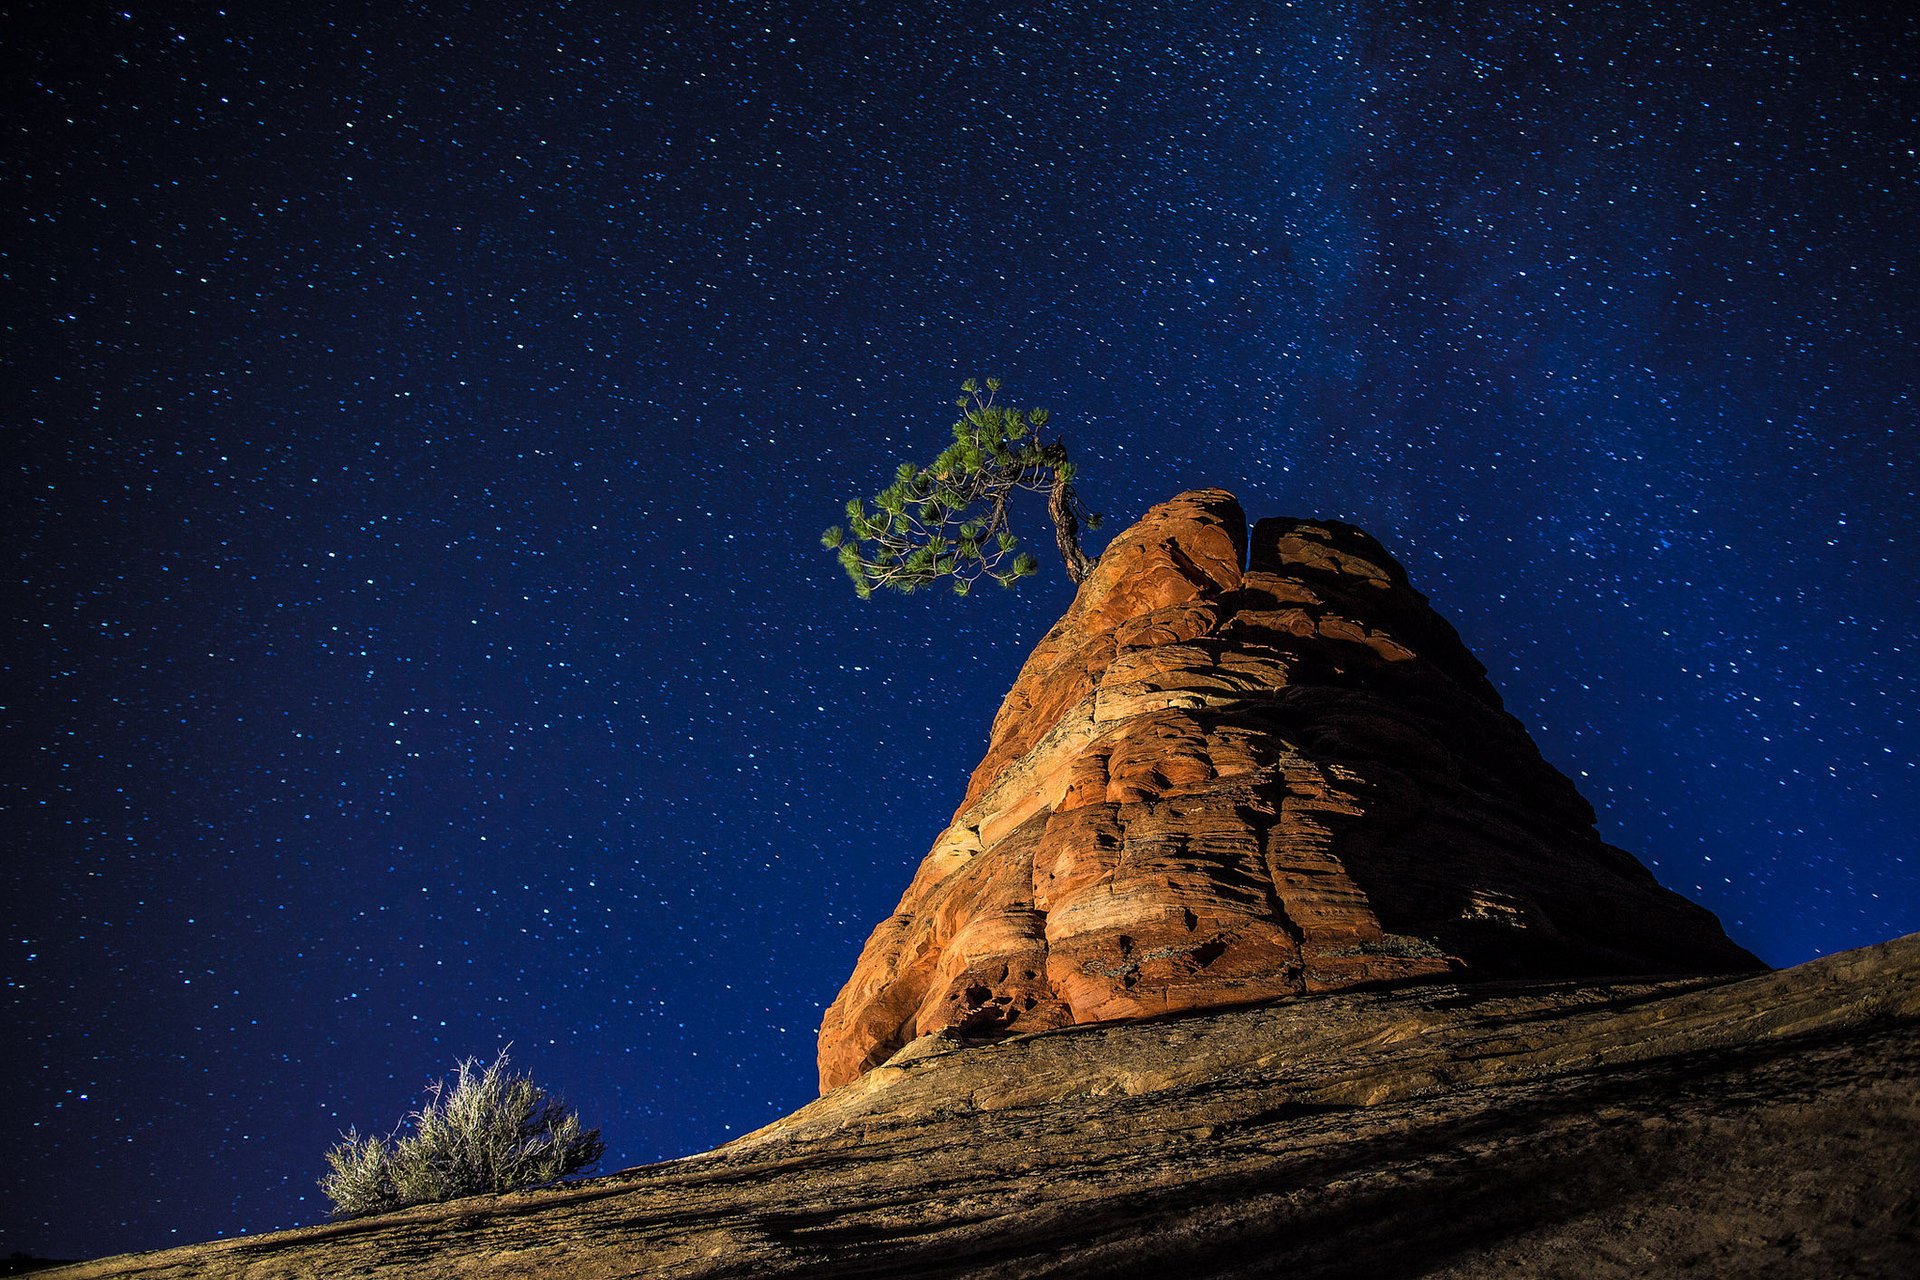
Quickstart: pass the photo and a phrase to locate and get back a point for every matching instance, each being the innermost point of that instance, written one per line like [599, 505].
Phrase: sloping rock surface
[1704, 1127]
[1212, 785]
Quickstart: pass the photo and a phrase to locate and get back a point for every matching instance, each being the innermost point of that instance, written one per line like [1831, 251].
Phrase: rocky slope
[1211, 785]
[1183, 992]
[1703, 1127]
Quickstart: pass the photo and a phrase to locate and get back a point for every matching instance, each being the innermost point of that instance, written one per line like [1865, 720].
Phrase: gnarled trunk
[1066, 529]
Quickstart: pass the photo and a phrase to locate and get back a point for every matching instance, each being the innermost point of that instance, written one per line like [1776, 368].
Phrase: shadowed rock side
[1703, 1127]
[1212, 785]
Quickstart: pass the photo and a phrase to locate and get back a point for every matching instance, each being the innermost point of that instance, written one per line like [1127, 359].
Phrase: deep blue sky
[419, 421]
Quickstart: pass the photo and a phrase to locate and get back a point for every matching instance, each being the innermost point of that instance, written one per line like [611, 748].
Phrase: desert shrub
[489, 1129]
[361, 1177]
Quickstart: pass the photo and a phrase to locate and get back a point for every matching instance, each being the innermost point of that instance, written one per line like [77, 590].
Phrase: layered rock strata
[1700, 1128]
[1236, 772]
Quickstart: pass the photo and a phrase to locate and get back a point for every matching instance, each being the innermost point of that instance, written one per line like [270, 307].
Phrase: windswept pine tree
[950, 519]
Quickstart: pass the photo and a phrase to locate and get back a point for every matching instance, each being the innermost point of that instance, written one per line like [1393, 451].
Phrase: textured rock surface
[1210, 786]
[1708, 1127]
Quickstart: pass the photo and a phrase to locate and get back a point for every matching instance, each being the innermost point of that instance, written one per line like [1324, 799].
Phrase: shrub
[491, 1130]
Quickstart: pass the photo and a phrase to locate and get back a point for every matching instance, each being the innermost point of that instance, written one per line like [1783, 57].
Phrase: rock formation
[1213, 784]
[1703, 1127]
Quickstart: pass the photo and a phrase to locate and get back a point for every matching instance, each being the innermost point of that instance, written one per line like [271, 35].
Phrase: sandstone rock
[1701, 1127]
[1209, 787]
[1212, 785]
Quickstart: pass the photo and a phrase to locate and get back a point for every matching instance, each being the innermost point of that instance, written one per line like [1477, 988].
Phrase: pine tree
[949, 519]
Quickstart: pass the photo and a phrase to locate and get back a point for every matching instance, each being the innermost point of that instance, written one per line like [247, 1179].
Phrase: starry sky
[419, 421]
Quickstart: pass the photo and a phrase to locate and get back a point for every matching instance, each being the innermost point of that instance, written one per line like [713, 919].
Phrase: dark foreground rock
[1687, 1127]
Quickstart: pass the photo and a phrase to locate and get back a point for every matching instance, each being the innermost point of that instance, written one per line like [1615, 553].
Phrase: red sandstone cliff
[1212, 785]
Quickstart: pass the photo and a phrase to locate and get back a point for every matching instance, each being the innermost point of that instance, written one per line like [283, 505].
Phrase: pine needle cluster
[949, 519]
[490, 1130]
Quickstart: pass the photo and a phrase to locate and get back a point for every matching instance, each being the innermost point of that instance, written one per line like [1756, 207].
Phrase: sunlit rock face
[1213, 784]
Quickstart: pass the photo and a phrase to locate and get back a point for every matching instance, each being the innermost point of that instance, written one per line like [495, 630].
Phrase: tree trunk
[1066, 530]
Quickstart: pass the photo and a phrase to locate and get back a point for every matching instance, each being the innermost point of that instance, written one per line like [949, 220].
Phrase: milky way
[420, 423]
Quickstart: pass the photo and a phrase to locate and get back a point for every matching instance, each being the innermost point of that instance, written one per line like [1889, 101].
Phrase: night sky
[419, 422]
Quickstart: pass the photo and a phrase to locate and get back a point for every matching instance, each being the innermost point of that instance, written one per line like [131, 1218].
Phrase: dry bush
[488, 1130]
